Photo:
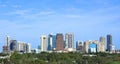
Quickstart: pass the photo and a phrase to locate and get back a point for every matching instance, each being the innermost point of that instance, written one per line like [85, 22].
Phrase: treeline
[62, 58]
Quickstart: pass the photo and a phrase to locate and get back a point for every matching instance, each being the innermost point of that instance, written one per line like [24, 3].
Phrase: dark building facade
[59, 42]
[109, 42]
[13, 45]
[80, 46]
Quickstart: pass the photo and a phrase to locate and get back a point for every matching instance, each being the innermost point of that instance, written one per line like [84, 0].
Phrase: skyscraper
[91, 46]
[6, 46]
[13, 45]
[21, 46]
[27, 48]
[59, 42]
[44, 42]
[109, 42]
[80, 46]
[102, 44]
[8, 40]
[51, 42]
[102, 39]
[69, 40]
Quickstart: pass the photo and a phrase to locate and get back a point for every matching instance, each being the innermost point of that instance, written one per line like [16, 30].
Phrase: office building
[109, 42]
[6, 46]
[59, 42]
[28, 48]
[112, 48]
[51, 42]
[44, 43]
[102, 44]
[21, 46]
[69, 41]
[80, 46]
[8, 41]
[91, 46]
[5, 49]
[13, 45]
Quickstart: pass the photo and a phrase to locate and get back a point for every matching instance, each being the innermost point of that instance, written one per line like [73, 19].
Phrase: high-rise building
[51, 42]
[102, 44]
[23, 47]
[8, 40]
[6, 46]
[13, 45]
[69, 40]
[44, 43]
[59, 42]
[109, 42]
[27, 48]
[102, 39]
[5, 49]
[91, 46]
[80, 46]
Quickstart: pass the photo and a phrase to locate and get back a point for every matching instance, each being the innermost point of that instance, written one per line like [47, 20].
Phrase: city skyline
[26, 20]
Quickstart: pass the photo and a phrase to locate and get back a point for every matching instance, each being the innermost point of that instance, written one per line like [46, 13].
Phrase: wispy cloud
[45, 13]
[16, 6]
[72, 16]
[17, 12]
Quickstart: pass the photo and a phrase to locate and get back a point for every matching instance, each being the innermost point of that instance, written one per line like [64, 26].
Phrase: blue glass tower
[51, 42]
[13, 45]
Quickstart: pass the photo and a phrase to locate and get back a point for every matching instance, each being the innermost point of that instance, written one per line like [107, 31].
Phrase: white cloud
[15, 6]
[45, 13]
[17, 12]
[72, 16]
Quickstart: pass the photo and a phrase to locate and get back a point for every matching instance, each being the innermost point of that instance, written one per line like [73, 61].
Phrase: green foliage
[62, 58]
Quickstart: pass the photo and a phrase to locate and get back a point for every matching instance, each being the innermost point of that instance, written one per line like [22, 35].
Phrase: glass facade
[92, 48]
[13, 45]
[51, 42]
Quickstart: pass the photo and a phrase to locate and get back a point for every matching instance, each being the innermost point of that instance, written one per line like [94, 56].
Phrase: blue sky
[27, 20]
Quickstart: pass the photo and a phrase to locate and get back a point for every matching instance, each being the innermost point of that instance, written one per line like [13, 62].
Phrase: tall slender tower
[102, 44]
[109, 42]
[44, 42]
[8, 40]
[51, 42]
[59, 42]
[6, 47]
[69, 40]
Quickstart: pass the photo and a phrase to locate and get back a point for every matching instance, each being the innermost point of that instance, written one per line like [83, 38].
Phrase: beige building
[100, 45]
[87, 45]
[23, 47]
[44, 42]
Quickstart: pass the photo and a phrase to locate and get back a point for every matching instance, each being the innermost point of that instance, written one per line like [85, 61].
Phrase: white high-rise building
[23, 47]
[28, 48]
[44, 43]
[69, 41]
[8, 40]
